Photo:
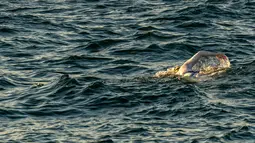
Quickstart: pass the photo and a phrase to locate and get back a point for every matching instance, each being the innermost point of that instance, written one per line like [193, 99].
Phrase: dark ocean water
[81, 71]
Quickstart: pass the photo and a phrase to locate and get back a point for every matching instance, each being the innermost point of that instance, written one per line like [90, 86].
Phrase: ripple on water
[81, 71]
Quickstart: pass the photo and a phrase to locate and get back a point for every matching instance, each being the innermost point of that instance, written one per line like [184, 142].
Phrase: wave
[193, 24]
[159, 35]
[9, 30]
[80, 61]
[83, 71]
[6, 83]
[125, 69]
[209, 11]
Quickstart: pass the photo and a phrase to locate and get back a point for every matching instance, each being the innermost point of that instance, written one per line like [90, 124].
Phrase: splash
[207, 67]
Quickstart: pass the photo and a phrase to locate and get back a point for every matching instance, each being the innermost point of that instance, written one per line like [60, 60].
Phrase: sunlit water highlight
[81, 71]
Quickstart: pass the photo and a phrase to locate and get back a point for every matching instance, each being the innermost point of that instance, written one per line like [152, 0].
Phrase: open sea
[81, 71]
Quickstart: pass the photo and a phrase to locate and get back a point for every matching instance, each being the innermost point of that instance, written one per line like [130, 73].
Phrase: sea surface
[78, 71]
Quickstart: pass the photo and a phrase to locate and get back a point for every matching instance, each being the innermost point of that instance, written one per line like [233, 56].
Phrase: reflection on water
[82, 71]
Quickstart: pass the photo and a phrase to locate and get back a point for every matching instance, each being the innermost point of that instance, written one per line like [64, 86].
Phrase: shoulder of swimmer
[184, 69]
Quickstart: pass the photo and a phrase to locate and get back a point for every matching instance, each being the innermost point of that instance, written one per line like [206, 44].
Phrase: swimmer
[186, 71]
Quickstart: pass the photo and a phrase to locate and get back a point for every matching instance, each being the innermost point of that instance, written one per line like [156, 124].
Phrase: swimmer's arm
[193, 60]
